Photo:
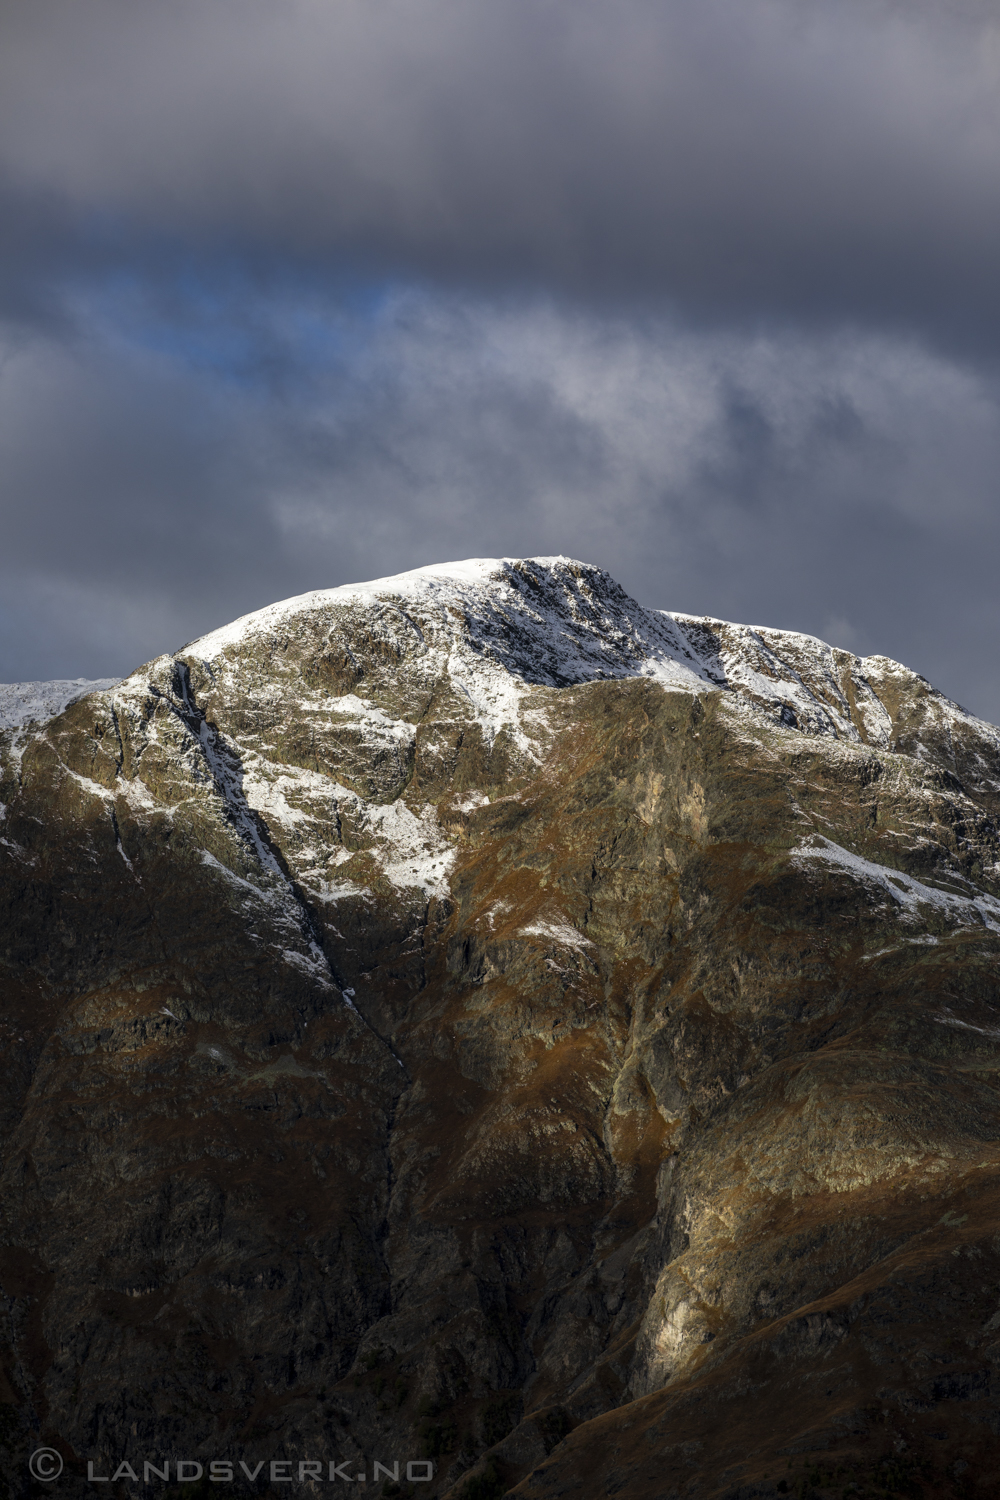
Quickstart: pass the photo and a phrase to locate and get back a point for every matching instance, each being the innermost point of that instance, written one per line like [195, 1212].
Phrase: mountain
[27, 702]
[470, 1021]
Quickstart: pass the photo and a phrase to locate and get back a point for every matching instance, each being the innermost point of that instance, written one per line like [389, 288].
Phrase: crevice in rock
[120, 759]
[226, 768]
[118, 840]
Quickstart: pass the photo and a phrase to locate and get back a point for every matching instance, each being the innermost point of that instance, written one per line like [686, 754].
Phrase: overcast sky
[300, 292]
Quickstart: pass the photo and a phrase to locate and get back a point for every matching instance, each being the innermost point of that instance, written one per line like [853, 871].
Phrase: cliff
[471, 1019]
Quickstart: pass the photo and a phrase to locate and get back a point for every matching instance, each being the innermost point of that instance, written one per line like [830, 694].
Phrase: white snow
[227, 775]
[920, 940]
[504, 633]
[285, 913]
[797, 677]
[414, 584]
[414, 851]
[329, 891]
[27, 702]
[140, 799]
[254, 890]
[313, 965]
[558, 930]
[465, 804]
[376, 721]
[967, 1026]
[409, 847]
[94, 788]
[808, 685]
[907, 893]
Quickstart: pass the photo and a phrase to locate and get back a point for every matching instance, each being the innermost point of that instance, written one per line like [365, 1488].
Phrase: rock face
[472, 1021]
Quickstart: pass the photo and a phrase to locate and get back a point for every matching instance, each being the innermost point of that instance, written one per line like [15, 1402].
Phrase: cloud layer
[296, 293]
[822, 158]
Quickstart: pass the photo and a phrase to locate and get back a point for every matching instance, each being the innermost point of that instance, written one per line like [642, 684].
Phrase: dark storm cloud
[736, 156]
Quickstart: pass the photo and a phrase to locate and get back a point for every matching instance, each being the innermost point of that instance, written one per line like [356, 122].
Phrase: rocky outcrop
[471, 1020]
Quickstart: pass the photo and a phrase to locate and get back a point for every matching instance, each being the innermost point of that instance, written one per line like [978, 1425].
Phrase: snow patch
[353, 708]
[908, 894]
[420, 855]
[247, 885]
[500, 628]
[409, 847]
[461, 804]
[329, 891]
[313, 965]
[967, 1026]
[37, 702]
[558, 930]
[93, 787]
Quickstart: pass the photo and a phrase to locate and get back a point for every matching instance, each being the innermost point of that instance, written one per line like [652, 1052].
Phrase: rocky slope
[471, 1020]
[34, 702]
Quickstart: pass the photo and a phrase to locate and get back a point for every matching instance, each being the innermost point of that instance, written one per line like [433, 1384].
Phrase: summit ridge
[554, 621]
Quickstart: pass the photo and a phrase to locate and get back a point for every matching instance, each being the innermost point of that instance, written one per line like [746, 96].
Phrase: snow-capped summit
[498, 627]
[546, 620]
[502, 625]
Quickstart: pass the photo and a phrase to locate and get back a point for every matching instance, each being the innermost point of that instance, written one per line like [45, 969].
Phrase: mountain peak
[477, 989]
[546, 620]
[500, 626]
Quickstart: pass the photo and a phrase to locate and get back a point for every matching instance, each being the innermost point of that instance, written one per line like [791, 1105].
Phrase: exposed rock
[471, 1019]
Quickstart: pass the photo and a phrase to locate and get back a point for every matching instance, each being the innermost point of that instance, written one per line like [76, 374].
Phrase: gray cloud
[842, 485]
[822, 158]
